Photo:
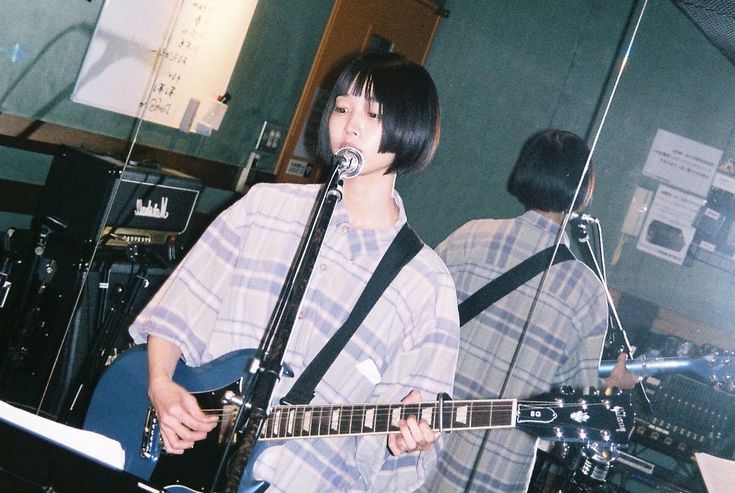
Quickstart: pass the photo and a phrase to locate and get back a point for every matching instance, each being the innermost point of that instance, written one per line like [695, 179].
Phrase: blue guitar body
[119, 410]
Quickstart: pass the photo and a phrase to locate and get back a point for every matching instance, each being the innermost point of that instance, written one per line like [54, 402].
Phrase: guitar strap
[404, 247]
[510, 281]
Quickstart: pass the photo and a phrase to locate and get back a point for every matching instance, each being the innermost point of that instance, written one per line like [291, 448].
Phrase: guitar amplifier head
[88, 198]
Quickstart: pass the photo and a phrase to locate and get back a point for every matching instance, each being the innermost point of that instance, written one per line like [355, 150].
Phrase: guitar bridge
[152, 440]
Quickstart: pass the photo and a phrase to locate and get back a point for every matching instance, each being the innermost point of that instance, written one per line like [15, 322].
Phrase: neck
[369, 201]
[557, 217]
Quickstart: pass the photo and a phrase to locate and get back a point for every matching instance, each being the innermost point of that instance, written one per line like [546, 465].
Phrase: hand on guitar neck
[415, 435]
[620, 376]
[715, 369]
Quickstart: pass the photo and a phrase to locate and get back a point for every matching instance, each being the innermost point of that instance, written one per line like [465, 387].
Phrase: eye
[340, 104]
[373, 111]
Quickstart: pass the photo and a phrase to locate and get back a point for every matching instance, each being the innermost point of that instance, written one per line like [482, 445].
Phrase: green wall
[269, 75]
[506, 69]
[51, 36]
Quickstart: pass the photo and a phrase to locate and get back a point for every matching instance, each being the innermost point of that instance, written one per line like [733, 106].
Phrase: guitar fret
[356, 419]
[316, 416]
[283, 424]
[505, 415]
[347, 416]
[324, 416]
[484, 415]
[316, 421]
[300, 426]
[382, 418]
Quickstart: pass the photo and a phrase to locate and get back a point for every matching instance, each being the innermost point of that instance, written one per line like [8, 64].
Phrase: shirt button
[352, 258]
[301, 315]
[323, 267]
[345, 228]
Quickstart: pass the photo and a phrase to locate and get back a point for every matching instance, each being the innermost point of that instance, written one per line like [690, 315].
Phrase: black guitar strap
[510, 281]
[404, 247]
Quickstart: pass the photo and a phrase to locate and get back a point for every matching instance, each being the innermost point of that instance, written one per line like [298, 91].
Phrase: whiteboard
[147, 59]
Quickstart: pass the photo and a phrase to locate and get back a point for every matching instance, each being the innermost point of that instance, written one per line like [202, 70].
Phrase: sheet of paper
[92, 445]
[682, 162]
[669, 226]
[718, 473]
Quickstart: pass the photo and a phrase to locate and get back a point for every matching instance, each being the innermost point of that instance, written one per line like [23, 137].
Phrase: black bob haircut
[409, 107]
[547, 171]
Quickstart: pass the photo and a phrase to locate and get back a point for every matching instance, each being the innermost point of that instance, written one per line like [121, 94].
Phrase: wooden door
[402, 26]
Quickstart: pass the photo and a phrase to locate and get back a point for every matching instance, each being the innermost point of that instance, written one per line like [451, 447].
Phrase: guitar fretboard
[366, 419]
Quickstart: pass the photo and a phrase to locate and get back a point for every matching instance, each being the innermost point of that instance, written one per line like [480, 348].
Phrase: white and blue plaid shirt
[562, 346]
[221, 296]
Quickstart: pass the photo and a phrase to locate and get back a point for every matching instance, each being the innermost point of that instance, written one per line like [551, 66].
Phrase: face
[356, 122]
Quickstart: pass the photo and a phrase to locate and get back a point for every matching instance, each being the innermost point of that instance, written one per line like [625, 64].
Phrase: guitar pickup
[152, 440]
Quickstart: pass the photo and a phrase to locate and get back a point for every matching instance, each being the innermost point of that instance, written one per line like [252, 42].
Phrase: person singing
[222, 294]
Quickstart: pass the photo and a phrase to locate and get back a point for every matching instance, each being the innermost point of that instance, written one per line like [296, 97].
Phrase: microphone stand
[264, 370]
[587, 467]
[616, 340]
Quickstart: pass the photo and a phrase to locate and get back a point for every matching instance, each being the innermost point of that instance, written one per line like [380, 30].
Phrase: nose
[352, 127]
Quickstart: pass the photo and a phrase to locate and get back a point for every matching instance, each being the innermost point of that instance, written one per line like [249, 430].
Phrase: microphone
[348, 161]
[577, 218]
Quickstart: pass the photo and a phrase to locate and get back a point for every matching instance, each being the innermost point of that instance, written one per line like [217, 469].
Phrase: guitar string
[322, 416]
[475, 405]
[389, 409]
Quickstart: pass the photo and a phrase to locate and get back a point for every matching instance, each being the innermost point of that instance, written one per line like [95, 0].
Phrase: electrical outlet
[270, 137]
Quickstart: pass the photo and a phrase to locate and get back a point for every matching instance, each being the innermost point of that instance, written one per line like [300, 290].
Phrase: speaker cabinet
[75, 298]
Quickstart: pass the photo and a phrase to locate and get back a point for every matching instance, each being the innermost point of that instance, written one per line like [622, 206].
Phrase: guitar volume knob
[231, 397]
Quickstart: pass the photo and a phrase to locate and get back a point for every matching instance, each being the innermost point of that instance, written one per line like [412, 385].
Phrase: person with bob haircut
[566, 330]
[222, 294]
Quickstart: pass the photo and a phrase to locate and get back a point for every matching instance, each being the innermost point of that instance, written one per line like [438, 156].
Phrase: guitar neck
[368, 419]
[654, 366]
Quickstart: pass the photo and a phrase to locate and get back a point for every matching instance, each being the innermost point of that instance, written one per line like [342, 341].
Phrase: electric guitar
[120, 410]
[714, 369]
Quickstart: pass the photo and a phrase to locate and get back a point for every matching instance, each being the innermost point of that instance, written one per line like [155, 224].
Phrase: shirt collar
[542, 222]
[368, 241]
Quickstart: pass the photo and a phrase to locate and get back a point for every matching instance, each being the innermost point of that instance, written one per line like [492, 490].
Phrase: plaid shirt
[221, 297]
[562, 346]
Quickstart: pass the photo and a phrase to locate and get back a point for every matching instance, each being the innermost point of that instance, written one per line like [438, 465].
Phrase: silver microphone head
[348, 161]
[583, 218]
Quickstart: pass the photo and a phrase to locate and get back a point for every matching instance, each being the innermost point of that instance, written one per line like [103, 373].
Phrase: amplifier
[688, 416]
[88, 197]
